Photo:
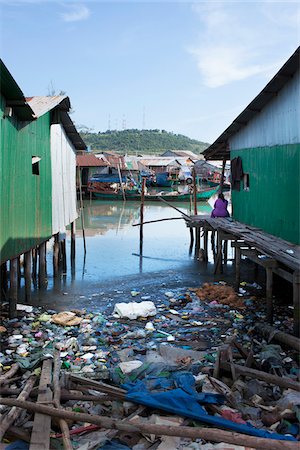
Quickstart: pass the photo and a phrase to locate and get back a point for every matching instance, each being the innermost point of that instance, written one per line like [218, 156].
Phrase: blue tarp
[186, 402]
[107, 178]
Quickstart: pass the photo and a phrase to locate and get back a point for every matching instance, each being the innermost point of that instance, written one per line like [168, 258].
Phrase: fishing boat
[105, 190]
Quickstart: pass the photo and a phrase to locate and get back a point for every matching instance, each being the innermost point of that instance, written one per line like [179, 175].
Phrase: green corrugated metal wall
[26, 209]
[272, 203]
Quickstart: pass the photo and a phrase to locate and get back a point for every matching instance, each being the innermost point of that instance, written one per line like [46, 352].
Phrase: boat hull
[201, 196]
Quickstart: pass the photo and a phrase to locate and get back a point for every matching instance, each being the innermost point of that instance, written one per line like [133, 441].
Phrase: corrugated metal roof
[42, 104]
[13, 95]
[89, 160]
[71, 131]
[116, 161]
[159, 161]
[220, 148]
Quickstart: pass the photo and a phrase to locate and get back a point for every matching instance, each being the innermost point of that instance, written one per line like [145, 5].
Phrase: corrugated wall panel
[273, 201]
[25, 198]
[63, 157]
[277, 124]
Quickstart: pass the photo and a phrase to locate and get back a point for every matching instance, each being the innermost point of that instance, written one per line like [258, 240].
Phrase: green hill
[140, 141]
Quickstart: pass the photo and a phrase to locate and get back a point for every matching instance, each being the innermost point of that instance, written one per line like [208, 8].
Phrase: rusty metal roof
[42, 104]
[14, 97]
[220, 148]
[116, 161]
[89, 160]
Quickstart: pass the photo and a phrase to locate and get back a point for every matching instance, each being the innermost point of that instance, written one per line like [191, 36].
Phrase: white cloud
[237, 41]
[75, 13]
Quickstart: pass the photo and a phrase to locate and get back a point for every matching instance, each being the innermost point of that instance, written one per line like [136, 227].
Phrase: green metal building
[30, 156]
[266, 138]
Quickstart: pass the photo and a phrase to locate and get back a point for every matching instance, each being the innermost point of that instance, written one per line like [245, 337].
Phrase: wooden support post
[4, 280]
[19, 271]
[197, 246]
[296, 302]
[192, 240]
[225, 252]
[269, 291]
[194, 191]
[55, 256]
[64, 255]
[205, 244]
[142, 214]
[13, 288]
[34, 265]
[219, 258]
[42, 265]
[237, 267]
[27, 275]
[73, 242]
[222, 175]
[40, 436]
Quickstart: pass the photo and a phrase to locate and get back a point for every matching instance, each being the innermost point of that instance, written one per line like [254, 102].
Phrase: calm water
[112, 266]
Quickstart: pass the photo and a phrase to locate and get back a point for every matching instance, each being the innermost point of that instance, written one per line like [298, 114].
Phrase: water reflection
[113, 245]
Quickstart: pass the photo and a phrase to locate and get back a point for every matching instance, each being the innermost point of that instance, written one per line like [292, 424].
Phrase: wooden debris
[271, 333]
[8, 419]
[14, 369]
[212, 434]
[286, 383]
[40, 436]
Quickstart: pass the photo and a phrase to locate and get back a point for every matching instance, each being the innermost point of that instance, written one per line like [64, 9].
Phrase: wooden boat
[174, 196]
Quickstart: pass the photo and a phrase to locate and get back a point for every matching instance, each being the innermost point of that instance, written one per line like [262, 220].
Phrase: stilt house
[263, 144]
[37, 168]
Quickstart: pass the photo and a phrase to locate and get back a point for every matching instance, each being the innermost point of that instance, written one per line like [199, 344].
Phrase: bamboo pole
[213, 434]
[194, 191]
[142, 214]
[158, 220]
[81, 211]
[174, 207]
[122, 187]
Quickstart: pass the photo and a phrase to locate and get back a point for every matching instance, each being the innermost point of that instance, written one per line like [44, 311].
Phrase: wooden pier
[276, 255]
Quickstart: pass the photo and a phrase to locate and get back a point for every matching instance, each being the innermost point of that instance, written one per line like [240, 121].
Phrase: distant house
[87, 165]
[37, 168]
[263, 144]
[182, 154]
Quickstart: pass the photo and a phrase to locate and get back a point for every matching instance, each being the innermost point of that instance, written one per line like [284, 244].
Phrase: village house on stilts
[37, 185]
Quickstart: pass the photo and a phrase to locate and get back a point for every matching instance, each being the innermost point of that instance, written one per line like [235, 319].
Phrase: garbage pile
[194, 369]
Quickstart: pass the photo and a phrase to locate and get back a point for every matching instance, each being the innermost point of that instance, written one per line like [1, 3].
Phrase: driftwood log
[271, 333]
[286, 383]
[14, 369]
[212, 434]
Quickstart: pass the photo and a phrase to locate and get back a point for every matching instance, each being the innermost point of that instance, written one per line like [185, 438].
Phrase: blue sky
[186, 67]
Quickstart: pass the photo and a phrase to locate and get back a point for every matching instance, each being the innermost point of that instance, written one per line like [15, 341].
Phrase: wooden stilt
[34, 265]
[225, 252]
[205, 244]
[13, 288]
[27, 275]
[269, 291]
[237, 267]
[142, 214]
[19, 271]
[219, 258]
[4, 280]
[42, 265]
[296, 302]
[192, 240]
[73, 242]
[55, 256]
[194, 191]
[64, 255]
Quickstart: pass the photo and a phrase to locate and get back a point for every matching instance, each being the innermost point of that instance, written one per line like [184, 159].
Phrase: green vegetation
[140, 141]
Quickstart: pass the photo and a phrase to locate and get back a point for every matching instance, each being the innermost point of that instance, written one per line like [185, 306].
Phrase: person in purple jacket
[220, 207]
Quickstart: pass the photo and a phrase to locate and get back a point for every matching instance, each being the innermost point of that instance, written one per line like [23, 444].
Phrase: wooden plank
[40, 436]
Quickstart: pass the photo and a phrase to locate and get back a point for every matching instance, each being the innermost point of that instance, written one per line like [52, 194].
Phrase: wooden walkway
[274, 254]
